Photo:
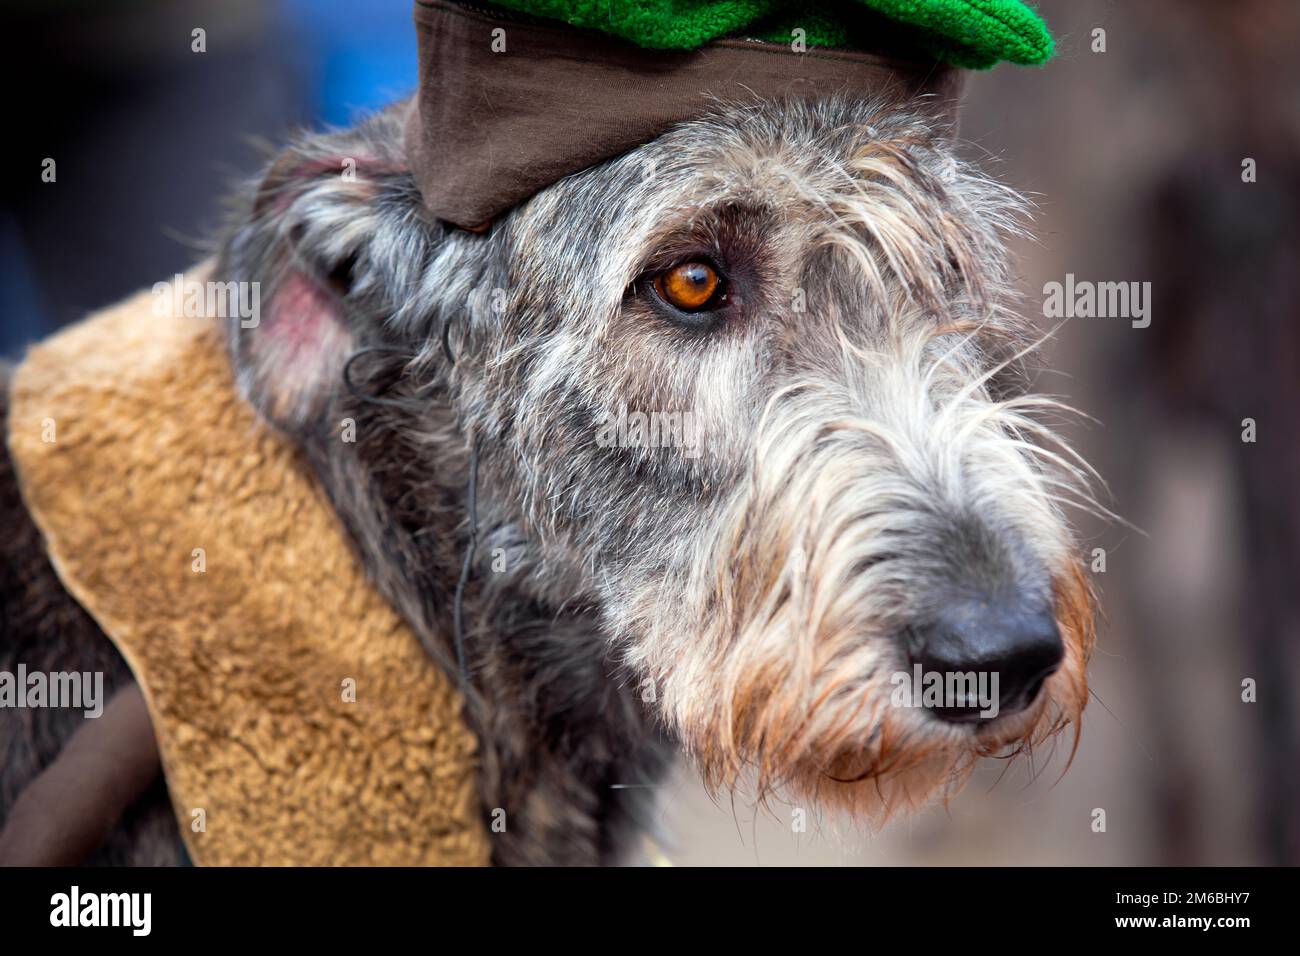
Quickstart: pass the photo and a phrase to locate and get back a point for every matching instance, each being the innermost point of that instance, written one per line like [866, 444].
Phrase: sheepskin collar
[298, 718]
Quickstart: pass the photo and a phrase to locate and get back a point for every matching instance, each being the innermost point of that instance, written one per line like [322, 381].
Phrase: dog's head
[754, 391]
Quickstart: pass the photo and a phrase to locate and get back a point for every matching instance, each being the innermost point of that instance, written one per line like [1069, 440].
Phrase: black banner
[944, 905]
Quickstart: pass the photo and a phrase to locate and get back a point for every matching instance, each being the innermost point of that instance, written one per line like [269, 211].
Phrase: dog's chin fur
[918, 760]
[908, 760]
[883, 760]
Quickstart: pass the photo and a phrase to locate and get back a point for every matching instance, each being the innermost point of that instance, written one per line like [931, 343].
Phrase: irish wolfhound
[734, 429]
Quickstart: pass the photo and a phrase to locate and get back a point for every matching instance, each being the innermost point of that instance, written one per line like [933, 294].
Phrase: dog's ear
[299, 244]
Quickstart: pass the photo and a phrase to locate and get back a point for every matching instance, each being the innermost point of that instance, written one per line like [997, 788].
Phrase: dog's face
[754, 391]
[755, 380]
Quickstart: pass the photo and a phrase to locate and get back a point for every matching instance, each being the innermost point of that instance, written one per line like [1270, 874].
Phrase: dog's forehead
[774, 165]
[797, 145]
[807, 129]
[767, 143]
[766, 177]
[867, 208]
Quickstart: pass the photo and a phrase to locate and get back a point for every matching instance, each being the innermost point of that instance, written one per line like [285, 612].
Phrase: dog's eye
[691, 286]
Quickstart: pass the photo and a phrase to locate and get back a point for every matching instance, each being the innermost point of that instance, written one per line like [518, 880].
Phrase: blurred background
[1131, 142]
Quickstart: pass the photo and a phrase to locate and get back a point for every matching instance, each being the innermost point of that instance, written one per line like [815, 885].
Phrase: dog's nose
[1014, 639]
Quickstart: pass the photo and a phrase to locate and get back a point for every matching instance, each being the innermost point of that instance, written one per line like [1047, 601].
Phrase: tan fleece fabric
[243, 664]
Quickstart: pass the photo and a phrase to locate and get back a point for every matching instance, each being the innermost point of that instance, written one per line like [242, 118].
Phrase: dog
[820, 289]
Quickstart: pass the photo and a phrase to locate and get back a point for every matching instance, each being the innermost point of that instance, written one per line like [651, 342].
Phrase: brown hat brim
[507, 107]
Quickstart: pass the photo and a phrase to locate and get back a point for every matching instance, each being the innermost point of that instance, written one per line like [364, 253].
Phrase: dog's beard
[775, 667]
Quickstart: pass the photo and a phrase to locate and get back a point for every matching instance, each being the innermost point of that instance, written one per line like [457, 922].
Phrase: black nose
[1015, 639]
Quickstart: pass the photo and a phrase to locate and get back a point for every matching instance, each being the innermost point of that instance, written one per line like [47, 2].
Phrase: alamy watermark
[1082, 299]
[655, 429]
[951, 690]
[81, 690]
[211, 300]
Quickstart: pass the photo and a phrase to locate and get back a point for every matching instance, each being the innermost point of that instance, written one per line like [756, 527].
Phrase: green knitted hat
[975, 34]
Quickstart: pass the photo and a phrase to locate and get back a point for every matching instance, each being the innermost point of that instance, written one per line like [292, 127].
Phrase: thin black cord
[471, 509]
[446, 341]
[355, 392]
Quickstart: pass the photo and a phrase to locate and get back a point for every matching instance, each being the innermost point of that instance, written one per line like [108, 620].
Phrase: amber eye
[690, 286]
